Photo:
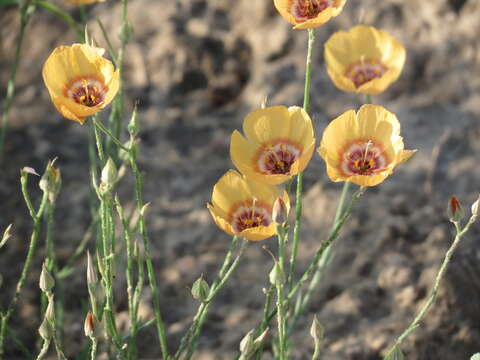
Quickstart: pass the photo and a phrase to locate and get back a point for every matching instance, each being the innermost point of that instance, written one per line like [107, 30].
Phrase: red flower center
[88, 91]
[303, 10]
[250, 214]
[363, 158]
[278, 157]
[364, 71]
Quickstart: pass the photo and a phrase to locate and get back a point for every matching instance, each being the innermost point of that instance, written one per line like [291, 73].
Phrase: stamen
[88, 91]
[303, 10]
[278, 157]
[364, 158]
[365, 70]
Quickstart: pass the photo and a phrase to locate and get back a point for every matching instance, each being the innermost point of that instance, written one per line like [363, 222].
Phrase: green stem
[99, 125]
[25, 14]
[266, 312]
[324, 260]
[43, 352]
[37, 220]
[281, 319]
[433, 294]
[148, 258]
[93, 352]
[298, 201]
[65, 17]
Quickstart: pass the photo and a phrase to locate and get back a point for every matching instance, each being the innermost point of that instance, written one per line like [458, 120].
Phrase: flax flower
[305, 14]
[243, 207]
[364, 59]
[278, 145]
[80, 80]
[363, 147]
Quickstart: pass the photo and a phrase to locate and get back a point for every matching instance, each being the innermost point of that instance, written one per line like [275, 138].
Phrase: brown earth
[198, 67]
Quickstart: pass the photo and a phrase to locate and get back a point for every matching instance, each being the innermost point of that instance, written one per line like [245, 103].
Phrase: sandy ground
[198, 67]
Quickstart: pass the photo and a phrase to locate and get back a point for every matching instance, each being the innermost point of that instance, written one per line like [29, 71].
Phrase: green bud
[317, 331]
[246, 345]
[51, 181]
[277, 276]
[133, 124]
[109, 174]
[46, 280]
[200, 289]
[279, 212]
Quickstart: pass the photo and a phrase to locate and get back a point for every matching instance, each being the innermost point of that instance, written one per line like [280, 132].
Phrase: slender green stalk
[224, 276]
[266, 312]
[37, 220]
[279, 285]
[322, 263]
[43, 352]
[99, 125]
[186, 339]
[433, 294]
[93, 352]
[298, 200]
[148, 258]
[25, 13]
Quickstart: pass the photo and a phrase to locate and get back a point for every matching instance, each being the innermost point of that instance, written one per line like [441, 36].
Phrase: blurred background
[197, 67]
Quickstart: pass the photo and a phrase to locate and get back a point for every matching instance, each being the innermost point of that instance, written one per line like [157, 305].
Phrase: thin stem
[25, 14]
[43, 352]
[148, 258]
[98, 124]
[433, 294]
[213, 292]
[93, 352]
[37, 220]
[223, 270]
[281, 319]
[323, 262]
[70, 21]
[266, 312]
[298, 200]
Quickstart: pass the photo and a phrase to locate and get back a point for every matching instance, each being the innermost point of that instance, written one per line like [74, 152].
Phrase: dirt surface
[198, 67]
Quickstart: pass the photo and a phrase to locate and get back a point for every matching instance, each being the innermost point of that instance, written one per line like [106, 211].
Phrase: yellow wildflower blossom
[80, 80]
[363, 147]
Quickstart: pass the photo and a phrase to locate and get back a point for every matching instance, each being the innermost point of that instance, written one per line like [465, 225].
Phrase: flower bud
[46, 330]
[475, 206]
[109, 174]
[246, 345]
[46, 280]
[277, 276]
[200, 289]
[91, 272]
[51, 181]
[6, 235]
[279, 212]
[133, 124]
[317, 331]
[91, 326]
[455, 210]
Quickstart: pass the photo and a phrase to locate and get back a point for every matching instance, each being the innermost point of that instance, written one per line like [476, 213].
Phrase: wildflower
[305, 14]
[80, 80]
[364, 59]
[278, 145]
[243, 207]
[363, 147]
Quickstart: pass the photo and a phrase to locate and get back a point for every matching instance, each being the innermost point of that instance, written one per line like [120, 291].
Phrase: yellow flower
[243, 207]
[364, 59]
[306, 14]
[363, 147]
[80, 80]
[279, 144]
[83, 2]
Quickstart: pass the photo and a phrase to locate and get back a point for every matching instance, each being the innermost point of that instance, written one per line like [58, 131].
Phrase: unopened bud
[91, 326]
[7, 234]
[277, 276]
[280, 211]
[144, 209]
[475, 206]
[317, 331]
[91, 272]
[28, 170]
[200, 289]
[109, 174]
[46, 330]
[246, 345]
[455, 210]
[46, 280]
[51, 181]
[133, 124]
